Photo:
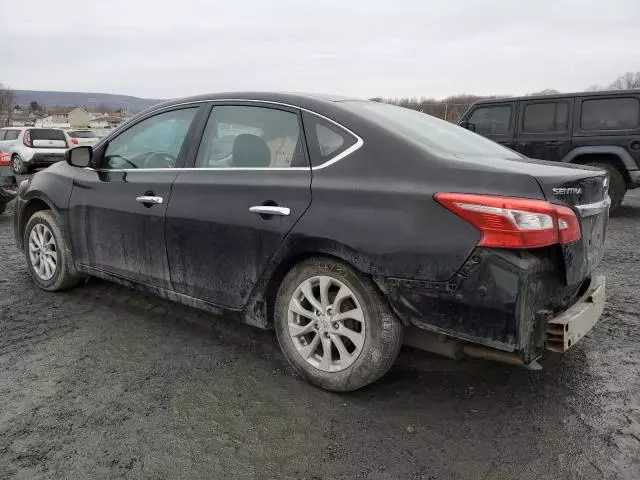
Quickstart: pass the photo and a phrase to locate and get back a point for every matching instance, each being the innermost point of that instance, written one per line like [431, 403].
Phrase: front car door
[249, 184]
[544, 128]
[495, 121]
[117, 209]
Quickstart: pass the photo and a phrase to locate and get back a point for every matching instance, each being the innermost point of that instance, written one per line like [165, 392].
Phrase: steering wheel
[160, 160]
[126, 160]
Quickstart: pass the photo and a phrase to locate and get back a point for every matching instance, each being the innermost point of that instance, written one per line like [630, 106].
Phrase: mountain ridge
[90, 100]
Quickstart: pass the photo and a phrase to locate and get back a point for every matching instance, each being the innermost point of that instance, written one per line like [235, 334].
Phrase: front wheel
[334, 327]
[48, 258]
[617, 184]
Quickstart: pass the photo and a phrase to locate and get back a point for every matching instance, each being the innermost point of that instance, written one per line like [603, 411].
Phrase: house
[106, 121]
[79, 118]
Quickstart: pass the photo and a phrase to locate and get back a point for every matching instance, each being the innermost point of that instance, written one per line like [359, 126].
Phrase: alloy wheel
[43, 252]
[326, 323]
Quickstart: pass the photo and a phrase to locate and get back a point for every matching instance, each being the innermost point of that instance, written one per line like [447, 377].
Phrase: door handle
[270, 210]
[149, 199]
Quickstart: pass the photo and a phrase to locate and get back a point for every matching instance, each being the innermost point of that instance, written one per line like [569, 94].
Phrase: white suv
[31, 147]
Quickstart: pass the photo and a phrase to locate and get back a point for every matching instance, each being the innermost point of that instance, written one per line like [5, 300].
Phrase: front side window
[610, 114]
[153, 143]
[546, 117]
[492, 120]
[251, 137]
[12, 134]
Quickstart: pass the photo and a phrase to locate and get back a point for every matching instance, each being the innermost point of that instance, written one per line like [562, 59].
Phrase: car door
[544, 128]
[249, 184]
[117, 209]
[495, 121]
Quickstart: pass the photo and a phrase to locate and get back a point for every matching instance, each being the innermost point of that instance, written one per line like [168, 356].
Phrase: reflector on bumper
[566, 329]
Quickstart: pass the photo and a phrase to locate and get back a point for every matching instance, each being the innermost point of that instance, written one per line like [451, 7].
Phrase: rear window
[82, 134]
[546, 117]
[610, 114]
[433, 133]
[46, 134]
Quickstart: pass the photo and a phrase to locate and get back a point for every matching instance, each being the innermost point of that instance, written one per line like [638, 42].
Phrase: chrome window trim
[331, 161]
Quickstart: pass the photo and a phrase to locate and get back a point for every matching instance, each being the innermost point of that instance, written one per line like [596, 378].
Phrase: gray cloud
[363, 48]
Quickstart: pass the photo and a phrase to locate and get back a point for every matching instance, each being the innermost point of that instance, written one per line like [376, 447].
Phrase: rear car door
[495, 121]
[544, 128]
[117, 209]
[249, 184]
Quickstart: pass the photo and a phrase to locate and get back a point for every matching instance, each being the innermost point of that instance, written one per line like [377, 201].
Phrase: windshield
[433, 133]
[82, 134]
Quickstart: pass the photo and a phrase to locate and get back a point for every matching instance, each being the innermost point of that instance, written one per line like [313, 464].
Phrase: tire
[617, 184]
[18, 166]
[64, 274]
[375, 346]
[3, 207]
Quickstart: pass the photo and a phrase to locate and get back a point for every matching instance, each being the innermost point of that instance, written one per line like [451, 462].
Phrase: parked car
[339, 223]
[601, 129]
[7, 181]
[81, 137]
[30, 148]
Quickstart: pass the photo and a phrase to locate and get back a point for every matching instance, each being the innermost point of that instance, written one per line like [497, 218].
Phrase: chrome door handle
[149, 199]
[270, 210]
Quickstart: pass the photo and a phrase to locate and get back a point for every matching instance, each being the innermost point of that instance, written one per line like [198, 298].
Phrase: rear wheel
[617, 184]
[334, 326]
[18, 165]
[48, 257]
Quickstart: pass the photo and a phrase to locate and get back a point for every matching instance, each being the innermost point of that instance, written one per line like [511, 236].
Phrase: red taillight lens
[75, 141]
[5, 159]
[509, 222]
[27, 138]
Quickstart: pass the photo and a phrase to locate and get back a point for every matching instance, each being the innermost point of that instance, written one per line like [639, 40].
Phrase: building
[106, 122]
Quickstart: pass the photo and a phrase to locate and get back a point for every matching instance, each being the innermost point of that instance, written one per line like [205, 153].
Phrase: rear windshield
[433, 133]
[82, 134]
[46, 134]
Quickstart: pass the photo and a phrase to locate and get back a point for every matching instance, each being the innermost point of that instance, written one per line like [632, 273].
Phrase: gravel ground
[105, 382]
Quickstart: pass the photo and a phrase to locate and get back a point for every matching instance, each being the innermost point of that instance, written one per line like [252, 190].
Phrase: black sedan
[340, 223]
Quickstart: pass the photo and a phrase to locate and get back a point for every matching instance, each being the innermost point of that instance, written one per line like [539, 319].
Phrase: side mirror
[79, 156]
[469, 126]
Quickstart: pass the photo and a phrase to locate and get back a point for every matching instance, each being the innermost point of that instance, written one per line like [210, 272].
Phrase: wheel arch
[616, 156]
[31, 206]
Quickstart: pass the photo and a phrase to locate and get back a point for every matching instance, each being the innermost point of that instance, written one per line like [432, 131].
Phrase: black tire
[18, 166]
[3, 207]
[617, 184]
[65, 275]
[383, 338]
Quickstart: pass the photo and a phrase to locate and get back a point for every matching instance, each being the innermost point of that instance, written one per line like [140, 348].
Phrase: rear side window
[12, 134]
[546, 117]
[326, 140]
[2, 134]
[46, 134]
[610, 114]
[492, 120]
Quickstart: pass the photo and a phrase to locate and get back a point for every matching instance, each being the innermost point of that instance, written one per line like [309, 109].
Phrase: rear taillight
[26, 139]
[510, 222]
[5, 159]
[75, 141]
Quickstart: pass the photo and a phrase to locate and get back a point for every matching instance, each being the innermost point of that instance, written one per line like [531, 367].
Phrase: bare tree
[6, 105]
[628, 81]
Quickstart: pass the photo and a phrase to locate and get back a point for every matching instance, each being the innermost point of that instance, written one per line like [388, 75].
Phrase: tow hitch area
[570, 326]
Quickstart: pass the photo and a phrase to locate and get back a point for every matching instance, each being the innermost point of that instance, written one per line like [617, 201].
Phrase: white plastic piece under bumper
[570, 326]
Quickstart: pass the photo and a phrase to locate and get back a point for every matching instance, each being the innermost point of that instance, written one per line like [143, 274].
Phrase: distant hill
[90, 100]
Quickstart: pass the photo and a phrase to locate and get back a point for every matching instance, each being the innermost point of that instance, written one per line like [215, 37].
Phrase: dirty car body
[461, 236]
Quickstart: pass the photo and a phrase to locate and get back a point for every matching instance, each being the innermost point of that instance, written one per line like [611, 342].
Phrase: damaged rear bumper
[565, 330]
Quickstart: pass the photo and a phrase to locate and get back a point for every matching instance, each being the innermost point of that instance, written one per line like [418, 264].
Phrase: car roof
[557, 96]
[301, 100]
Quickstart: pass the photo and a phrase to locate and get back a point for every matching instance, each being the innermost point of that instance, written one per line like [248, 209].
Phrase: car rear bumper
[565, 330]
[45, 158]
[504, 300]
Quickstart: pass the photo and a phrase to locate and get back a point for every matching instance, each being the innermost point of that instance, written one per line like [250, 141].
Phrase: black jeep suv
[601, 129]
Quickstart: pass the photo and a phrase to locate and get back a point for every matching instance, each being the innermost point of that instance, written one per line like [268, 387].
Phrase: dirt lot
[104, 382]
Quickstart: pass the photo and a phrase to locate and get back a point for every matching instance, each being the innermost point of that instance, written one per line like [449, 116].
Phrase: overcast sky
[365, 48]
